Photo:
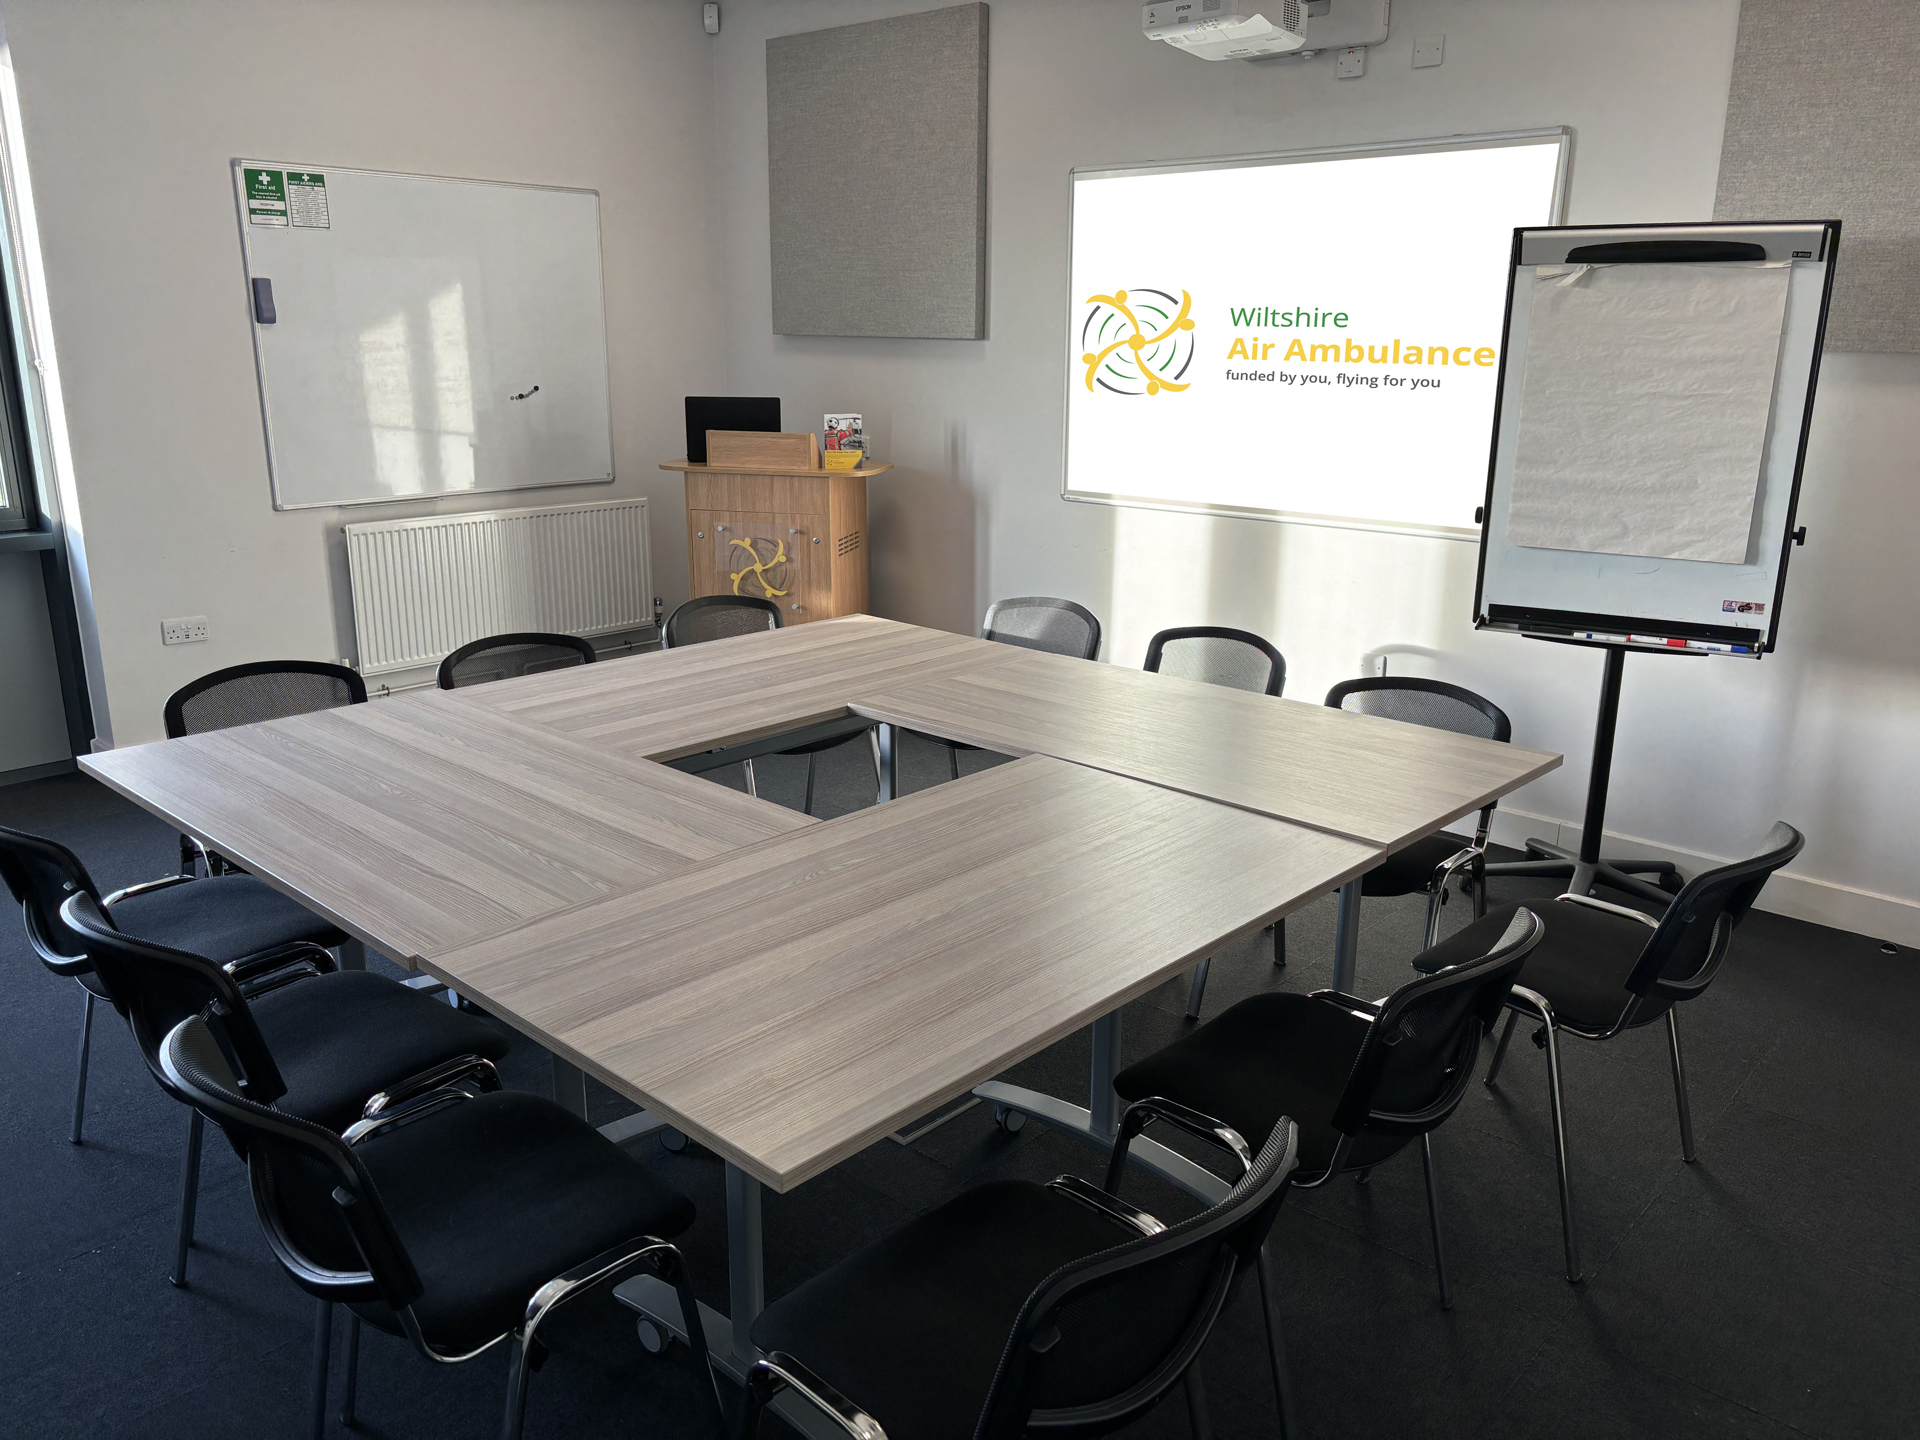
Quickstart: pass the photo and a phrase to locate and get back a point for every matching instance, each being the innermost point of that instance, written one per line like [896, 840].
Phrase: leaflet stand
[1599, 599]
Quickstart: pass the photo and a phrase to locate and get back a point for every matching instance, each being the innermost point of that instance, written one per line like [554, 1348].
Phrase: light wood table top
[663, 705]
[419, 821]
[1381, 781]
[792, 1002]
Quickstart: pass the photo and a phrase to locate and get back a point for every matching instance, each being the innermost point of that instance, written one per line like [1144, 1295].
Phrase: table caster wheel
[672, 1141]
[652, 1337]
[1008, 1119]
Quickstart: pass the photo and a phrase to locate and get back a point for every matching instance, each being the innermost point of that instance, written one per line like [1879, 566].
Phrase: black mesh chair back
[500, 657]
[154, 988]
[716, 617]
[1104, 1338]
[322, 1217]
[1691, 940]
[1038, 622]
[1218, 656]
[1432, 703]
[43, 875]
[1418, 1056]
[264, 690]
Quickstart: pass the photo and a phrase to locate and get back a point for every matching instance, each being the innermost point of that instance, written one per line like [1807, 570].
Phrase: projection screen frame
[1561, 135]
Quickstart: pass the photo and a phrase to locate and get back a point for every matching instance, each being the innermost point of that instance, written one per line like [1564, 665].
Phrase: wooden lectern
[764, 519]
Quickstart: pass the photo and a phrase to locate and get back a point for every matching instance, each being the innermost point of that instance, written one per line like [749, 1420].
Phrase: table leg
[889, 763]
[1103, 1105]
[729, 1343]
[570, 1087]
[353, 955]
[1346, 938]
[1101, 1122]
[746, 1262]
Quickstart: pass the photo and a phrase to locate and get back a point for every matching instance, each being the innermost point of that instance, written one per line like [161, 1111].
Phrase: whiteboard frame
[1562, 135]
[237, 167]
[1543, 245]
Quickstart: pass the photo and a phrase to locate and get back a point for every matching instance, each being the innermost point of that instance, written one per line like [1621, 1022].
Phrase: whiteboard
[1309, 336]
[429, 336]
[1594, 589]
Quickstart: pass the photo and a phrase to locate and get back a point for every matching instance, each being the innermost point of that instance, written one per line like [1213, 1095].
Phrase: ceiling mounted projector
[1217, 30]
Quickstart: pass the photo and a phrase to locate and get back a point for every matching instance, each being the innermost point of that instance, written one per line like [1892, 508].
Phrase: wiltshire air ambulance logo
[1138, 342]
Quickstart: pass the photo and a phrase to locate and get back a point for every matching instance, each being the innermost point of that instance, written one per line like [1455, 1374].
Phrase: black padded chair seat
[338, 1039]
[1284, 1054]
[1410, 871]
[1268, 1056]
[912, 1328]
[221, 919]
[496, 1195]
[1581, 964]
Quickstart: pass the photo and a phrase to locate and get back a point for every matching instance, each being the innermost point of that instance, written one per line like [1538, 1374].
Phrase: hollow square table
[791, 1003]
[746, 969]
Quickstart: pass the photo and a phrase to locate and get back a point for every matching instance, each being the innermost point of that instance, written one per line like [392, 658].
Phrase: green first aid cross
[266, 197]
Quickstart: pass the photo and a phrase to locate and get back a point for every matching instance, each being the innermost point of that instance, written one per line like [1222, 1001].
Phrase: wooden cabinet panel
[810, 593]
[772, 556]
[798, 538]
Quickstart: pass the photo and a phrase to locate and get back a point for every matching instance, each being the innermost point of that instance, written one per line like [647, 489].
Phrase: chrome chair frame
[410, 1101]
[1748, 876]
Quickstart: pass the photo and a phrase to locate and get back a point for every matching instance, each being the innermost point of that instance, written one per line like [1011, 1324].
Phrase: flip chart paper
[1644, 407]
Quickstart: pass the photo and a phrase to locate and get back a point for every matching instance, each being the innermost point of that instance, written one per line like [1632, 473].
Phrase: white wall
[133, 109]
[1709, 751]
[132, 112]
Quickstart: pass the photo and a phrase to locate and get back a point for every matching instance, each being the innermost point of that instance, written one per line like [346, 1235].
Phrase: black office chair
[1018, 1309]
[1425, 866]
[1603, 969]
[1240, 660]
[245, 694]
[338, 1038]
[715, 617]
[499, 657]
[1033, 622]
[1362, 1079]
[458, 1216]
[231, 919]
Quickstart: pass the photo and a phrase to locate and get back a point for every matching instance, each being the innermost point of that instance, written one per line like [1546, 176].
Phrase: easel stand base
[1547, 861]
[1583, 869]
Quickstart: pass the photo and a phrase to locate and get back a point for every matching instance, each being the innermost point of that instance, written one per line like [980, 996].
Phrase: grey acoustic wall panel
[877, 173]
[1822, 123]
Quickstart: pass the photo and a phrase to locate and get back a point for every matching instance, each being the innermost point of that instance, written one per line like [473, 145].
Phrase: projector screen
[1312, 336]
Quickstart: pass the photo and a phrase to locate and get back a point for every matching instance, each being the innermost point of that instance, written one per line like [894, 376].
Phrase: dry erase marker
[1596, 635]
[1719, 649]
[1658, 640]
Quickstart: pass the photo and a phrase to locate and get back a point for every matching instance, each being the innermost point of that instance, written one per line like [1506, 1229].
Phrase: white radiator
[422, 588]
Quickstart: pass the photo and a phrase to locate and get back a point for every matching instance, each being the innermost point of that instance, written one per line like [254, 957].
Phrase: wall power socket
[183, 631]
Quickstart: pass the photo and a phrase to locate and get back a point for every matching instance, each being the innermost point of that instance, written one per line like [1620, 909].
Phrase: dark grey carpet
[1771, 1289]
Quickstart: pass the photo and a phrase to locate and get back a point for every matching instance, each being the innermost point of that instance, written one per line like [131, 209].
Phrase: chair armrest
[1532, 1001]
[778, 1370]
[71, 966]
[1368, 1010]
[1607, 905]
[1094, 1198]
[414, 1109]
[588, 1273]
[440, 1077]
[1158, 1107]
[165, 882]
[256, 975]
[1443, 872]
